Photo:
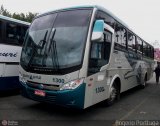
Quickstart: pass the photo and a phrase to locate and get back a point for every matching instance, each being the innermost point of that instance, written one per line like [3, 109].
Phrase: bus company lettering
[34, 77]
[9, 54]
[31, 76]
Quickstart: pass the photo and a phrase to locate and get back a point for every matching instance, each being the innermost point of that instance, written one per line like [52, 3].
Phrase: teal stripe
[98, 26]
[68, 98]
[14, 20]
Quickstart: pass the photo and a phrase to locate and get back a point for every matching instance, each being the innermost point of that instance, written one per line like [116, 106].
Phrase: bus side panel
[150, 68]
[9, 83]
[11, 70]
[9, 56]
[2, 65]
[88, 93]
[10, 53]
[120, 64]
[96, 88]
[9, 80]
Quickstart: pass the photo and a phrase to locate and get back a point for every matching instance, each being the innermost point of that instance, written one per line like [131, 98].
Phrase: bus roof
[14, 20]
[99, 8]
[90, 6]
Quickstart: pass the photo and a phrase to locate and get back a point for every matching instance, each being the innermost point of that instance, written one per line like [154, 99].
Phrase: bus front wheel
[114, 94]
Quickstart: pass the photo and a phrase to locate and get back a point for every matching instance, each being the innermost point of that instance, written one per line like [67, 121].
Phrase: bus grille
[49, 98]
[46, 86]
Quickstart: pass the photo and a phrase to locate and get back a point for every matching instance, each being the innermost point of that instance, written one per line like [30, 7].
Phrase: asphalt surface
[135, 104]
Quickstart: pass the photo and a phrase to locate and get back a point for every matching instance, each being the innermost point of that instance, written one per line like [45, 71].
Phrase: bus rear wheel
[114, 94]
[143, 85]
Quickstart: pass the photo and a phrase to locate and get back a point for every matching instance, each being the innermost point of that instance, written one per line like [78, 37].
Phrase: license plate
[39, 93]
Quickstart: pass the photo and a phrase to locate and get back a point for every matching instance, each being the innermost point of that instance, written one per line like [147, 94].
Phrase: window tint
[107, 36]
[120, 37]
[139, 45]
[73, 18]
[96, 51]
[131, 41]
[152, 52]
[23, 33]
[108, 20]
[15, 33]
[148, 51]
[44, 22]
[0, 29]
[63, 40]
[11, 31]
[100, 52]
[144, 49]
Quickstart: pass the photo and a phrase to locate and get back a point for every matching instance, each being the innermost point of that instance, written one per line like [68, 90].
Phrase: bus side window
[11, 31]
[0, 29]
[23, 32]
[100, 52]
[120, 37]
[15, 33]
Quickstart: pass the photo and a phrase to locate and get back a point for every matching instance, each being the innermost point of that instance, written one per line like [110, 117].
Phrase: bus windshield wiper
[36, 47]
[53, 49]
[43, 41]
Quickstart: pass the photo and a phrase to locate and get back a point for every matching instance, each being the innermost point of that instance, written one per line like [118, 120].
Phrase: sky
[142, 16]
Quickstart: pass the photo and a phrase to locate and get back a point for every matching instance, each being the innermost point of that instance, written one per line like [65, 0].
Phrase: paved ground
[136, 104]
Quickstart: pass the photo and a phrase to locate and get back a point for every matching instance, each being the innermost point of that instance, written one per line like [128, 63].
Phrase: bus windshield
[56, 41]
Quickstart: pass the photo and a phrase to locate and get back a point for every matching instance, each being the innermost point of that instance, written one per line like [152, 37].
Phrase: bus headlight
[22, 79]
[72, 85]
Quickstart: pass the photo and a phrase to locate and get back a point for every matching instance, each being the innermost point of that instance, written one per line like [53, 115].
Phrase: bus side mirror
[98, 29]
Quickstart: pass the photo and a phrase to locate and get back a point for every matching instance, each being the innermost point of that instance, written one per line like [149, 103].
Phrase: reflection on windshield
[53, 49]
[62, 36]
[40, 45]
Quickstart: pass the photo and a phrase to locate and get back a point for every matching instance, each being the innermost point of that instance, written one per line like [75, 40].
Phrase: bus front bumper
[67, 98]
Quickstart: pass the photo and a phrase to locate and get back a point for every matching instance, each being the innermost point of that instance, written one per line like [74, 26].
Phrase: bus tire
[143, 85]
[114, 95]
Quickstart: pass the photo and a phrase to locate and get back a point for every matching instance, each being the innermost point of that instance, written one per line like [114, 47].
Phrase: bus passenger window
[100, 52]
[11, 31]
[120, 37]
[23, 32]
[15, 33]
[131, 41]
[96, 51]
[0, 29]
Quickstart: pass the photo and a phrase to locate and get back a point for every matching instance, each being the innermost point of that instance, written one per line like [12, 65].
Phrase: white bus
[12, 34]
[77, 57]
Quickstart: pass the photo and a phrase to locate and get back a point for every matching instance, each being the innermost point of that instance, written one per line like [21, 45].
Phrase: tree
[4, 12]
[16, 16]
[24, 17]
[30, 16]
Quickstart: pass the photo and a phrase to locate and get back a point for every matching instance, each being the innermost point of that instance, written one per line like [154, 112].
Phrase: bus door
[99, 58]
